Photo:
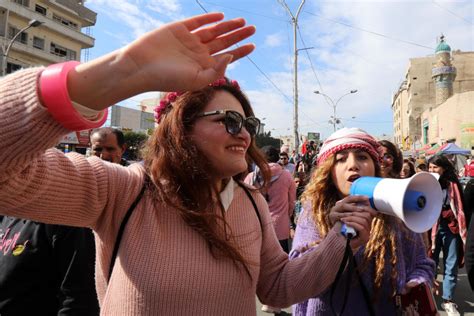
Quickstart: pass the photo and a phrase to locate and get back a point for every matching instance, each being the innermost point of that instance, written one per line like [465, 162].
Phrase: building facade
[131, 119]
[58, 38]
[433, 103]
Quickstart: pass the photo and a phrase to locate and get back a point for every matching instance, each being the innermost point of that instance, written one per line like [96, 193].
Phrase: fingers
[230, 39]
[197, 21]
[211, 32]
[239, 52]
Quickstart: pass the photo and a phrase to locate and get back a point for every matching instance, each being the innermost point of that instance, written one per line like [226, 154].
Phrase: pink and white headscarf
[347, 138]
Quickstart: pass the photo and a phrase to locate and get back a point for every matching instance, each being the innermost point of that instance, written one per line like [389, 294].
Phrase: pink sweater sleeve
[283, 282]
[44, 184]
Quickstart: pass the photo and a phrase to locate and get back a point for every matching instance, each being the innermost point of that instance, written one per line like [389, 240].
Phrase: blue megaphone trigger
[348, 231]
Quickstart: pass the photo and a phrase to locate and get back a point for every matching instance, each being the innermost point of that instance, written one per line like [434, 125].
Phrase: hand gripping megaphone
[417, 201]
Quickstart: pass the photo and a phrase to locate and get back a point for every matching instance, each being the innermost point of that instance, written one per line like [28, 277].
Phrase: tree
[265, 139]
[134, 142]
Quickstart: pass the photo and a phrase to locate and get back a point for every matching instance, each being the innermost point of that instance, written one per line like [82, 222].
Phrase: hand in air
[186, 55]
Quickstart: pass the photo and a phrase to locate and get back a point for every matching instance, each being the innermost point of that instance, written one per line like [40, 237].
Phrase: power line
[311, 63]
[240, 10]
[256, 66]
[371, 32]
[458, 16]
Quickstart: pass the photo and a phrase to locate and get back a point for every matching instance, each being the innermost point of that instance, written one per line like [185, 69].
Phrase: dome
[442, 47]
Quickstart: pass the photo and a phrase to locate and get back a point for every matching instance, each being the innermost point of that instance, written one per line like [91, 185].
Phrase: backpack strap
[246, 190]
[122, 227]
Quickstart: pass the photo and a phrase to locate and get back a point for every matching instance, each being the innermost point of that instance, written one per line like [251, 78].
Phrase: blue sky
[363, 45]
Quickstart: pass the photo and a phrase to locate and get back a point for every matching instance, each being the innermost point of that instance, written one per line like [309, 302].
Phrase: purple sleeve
[420, 268]
[306, 232]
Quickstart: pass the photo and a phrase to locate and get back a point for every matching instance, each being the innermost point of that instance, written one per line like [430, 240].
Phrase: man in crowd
[284, 160]
[109, 144]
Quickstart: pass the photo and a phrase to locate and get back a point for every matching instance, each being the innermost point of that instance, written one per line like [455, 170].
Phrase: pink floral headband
[165, 103]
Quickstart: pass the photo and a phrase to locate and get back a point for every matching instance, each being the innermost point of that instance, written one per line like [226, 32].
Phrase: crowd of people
[192, 229]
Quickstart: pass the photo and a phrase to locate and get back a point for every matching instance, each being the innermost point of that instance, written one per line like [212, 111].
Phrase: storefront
[75, 141]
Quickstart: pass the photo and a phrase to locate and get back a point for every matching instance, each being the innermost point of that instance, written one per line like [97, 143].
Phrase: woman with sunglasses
[392, 160]
[179, 234]
[394, 259]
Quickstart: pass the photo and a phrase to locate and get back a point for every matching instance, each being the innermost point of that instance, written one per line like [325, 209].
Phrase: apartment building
[60, 30]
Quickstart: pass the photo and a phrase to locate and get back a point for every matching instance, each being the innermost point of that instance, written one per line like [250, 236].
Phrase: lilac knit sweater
[412, 265]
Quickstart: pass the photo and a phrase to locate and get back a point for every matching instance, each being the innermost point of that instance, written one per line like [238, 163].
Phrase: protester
[46, 269]
[394, 259]
[469, 255]
[284, 159]
[408, 169]
[421, 167]
[449, 233]
[108, 144]
[177, 234]
[392, 160]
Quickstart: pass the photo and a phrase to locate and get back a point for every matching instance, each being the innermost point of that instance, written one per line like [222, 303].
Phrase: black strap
[349, 261]
[253, 202]
[365, 292]
[122, 228]
[134, 204]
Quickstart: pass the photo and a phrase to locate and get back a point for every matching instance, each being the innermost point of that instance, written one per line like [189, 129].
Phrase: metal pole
[334, 105]
[294, 21]
[32, 23]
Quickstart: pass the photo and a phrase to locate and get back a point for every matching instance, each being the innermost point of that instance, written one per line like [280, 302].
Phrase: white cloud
[128, 13]
[168, 7]
[274, 40]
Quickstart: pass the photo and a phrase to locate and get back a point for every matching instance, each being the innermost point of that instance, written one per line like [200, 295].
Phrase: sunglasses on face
[387, 157]
[234, 121]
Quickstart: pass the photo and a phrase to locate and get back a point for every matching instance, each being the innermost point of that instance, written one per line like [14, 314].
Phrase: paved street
[464, 298]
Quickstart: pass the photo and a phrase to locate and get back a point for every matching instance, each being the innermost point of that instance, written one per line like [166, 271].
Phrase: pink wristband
[55, 97]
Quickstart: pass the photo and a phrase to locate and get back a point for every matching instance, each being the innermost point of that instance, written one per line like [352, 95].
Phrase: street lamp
[31, 23]
[334, 119]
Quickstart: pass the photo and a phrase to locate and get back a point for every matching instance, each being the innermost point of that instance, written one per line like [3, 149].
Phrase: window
[25, 3]
[40, 9]
[58, 50]
[38, 43]
[22, 38]
[12, 67]
[64, 21]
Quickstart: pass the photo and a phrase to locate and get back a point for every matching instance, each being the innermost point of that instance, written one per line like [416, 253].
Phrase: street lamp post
[31, 23]
[334, 119]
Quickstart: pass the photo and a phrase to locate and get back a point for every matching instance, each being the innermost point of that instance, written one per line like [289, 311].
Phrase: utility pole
[294, 21]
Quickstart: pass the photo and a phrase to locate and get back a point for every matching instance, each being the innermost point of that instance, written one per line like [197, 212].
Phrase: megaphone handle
[348, 231]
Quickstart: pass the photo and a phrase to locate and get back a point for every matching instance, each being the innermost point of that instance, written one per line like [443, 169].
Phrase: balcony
[51, 25]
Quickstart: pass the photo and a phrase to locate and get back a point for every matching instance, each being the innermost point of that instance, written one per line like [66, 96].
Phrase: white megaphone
[417, 201]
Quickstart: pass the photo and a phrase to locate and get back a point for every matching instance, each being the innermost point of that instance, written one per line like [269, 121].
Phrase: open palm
[180, 56]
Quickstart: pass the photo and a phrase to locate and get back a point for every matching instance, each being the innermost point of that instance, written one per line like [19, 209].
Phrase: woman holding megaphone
[394, 259]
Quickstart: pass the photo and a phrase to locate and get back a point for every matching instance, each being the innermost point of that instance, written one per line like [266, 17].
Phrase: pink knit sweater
[163, 266]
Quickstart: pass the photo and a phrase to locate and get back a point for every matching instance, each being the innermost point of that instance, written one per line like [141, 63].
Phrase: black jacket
[46, 269]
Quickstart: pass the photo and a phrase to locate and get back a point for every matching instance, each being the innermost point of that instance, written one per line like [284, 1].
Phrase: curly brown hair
[323, 194]
[180, 173]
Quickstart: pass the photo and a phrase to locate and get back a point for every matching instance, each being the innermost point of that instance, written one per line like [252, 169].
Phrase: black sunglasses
[234, 121]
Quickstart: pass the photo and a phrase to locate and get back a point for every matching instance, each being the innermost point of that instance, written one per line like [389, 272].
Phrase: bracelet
[55, 97]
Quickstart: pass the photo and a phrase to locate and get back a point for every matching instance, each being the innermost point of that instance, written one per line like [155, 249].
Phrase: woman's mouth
[353, 178]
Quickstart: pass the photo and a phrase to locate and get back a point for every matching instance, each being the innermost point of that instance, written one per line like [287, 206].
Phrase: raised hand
[179, 56]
